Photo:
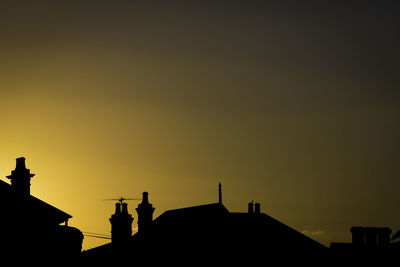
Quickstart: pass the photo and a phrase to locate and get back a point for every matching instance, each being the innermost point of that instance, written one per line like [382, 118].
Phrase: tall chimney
[21, 178]
[145, 214]
[121, 224]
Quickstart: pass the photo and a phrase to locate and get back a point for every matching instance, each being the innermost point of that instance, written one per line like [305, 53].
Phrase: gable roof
[34, 208]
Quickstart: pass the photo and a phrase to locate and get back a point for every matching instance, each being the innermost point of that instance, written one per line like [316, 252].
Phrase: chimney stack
[370, 237]
[21, 178]
[145, 214]
[121, 224]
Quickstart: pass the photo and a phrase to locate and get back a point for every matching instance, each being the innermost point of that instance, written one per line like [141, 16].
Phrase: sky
[293, 104]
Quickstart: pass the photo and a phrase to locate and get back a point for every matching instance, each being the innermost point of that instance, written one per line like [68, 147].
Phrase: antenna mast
[219, 193]
[121, 199]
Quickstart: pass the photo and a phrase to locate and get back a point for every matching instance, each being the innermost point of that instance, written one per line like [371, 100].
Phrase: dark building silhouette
[31, 227]
[208, 234]
[366, 238]
[369, 245]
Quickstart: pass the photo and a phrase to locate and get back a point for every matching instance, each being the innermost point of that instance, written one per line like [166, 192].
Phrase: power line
[96, 235]
[91, 233]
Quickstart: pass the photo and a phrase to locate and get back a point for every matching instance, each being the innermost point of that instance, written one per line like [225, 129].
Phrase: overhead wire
[96, 235]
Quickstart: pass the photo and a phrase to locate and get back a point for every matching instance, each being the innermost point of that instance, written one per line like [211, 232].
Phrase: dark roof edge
[52, 207]
[195, 207]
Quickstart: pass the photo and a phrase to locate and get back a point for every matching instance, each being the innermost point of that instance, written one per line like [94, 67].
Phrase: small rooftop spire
[220, 193]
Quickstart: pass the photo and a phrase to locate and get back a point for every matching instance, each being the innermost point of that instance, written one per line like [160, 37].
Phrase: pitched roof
[35, 208]
[213, 209]
[213, 223]
[210, 232]
[272, 231]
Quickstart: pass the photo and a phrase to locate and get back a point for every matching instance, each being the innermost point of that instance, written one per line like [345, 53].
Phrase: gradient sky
[293, 104]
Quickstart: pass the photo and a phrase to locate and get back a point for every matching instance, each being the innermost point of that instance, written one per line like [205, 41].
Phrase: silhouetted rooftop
[201, 210]
[210, 232]
[40, 209]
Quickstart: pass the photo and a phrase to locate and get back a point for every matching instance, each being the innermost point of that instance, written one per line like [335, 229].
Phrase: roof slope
[210, 233]
[209, 210]
[214, 227]
[31, 208]
[275, 234]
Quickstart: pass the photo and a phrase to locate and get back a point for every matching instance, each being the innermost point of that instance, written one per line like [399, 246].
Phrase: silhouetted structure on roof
[30, 226]
[368, 244]
[121, 224]
[207, 233]
[219, 193]
[367, 239]
[21, 178]
[145, 214]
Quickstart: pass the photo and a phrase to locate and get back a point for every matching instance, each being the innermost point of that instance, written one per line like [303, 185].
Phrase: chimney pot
[20, 164]
[117, 208]
[257, 208]
[384, 236]
[124, 208]
[358, 239]
[251, 207]
[145, 198]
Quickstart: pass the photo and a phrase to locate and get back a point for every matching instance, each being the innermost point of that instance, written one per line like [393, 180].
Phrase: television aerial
[121, 199]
